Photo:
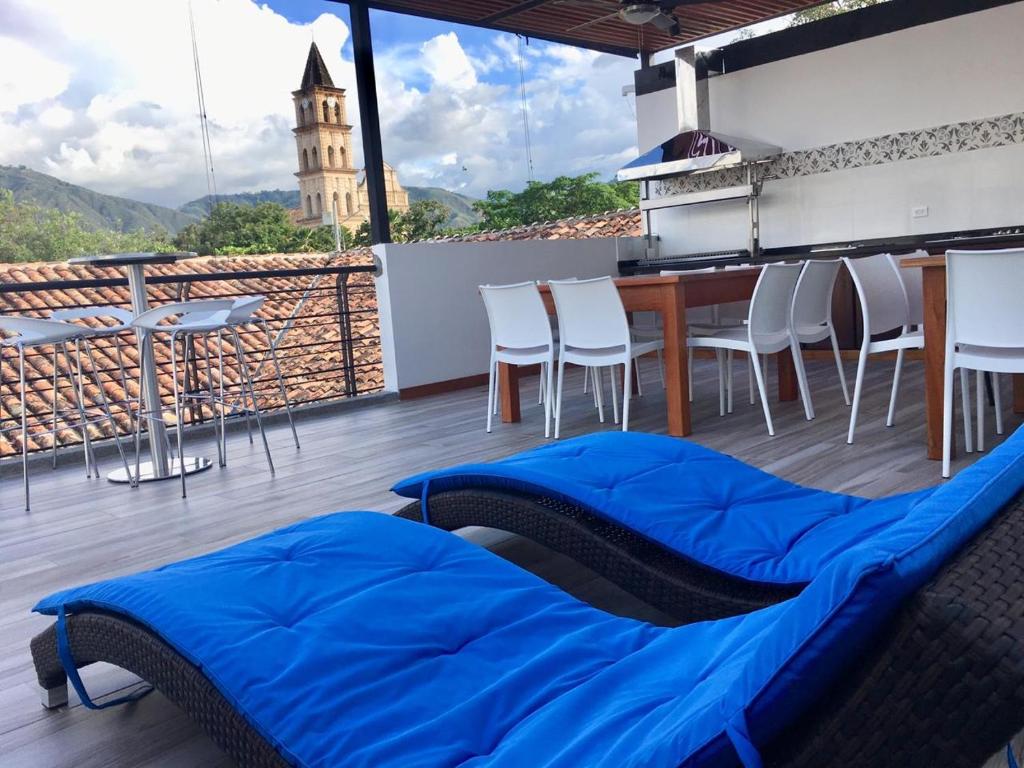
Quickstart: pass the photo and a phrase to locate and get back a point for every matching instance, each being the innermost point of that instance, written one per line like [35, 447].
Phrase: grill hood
[695, 148]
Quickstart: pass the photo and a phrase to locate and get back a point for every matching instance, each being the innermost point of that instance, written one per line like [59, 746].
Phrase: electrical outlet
[919, 212]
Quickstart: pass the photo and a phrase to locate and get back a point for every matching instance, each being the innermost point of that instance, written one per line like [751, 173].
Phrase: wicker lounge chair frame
[943, 684]
[684, 589]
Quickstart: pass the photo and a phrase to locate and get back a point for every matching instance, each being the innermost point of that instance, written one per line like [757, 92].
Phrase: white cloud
[111, 100]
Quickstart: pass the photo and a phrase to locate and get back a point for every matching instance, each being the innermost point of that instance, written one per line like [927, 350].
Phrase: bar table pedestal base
[193, 464]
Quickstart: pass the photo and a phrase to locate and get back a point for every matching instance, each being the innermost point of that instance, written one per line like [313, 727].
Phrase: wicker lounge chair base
[943, 684]
[681, 588]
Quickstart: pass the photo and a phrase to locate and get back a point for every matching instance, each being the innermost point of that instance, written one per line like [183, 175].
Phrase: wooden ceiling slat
[551, 20]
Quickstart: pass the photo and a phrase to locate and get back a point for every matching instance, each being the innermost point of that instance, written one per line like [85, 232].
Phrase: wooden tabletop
[695, 276]
[923, 261]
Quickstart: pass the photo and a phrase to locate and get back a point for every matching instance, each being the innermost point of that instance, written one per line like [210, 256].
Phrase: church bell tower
[323, 140]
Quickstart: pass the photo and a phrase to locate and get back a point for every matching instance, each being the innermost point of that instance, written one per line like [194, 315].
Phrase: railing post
[345, 325]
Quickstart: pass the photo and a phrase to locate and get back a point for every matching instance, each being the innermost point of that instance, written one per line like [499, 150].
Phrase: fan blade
[666, 23]
[592, 22]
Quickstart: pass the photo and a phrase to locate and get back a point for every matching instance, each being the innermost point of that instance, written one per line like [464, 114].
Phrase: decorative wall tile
[948, 139]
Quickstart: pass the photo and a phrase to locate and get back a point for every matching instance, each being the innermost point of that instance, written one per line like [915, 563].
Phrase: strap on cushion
[736, 730]
[424, 496]
[68, 662]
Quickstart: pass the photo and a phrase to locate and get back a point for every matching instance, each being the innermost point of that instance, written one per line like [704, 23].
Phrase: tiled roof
[621, 223]
[311, 353]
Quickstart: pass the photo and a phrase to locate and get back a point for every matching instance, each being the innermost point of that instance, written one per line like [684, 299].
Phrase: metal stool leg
[178, 414]
[280, 383]
[90, 458]
[214, 404]
[105, 405]
[223, 404]
[53, 446]
[244, 367]
[24, 422]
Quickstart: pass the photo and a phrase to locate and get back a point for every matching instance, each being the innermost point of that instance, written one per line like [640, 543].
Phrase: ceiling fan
[658, 13]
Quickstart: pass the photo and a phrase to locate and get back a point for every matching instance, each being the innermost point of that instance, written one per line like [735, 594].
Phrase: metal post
[366, 88]
[345, 326]
[147, 376]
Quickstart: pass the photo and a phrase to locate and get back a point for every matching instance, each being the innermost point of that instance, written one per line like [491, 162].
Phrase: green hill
[461, 206]
[97, 210]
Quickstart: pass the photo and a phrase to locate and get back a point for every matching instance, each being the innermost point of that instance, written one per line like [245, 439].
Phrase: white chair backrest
[773, 296]
[913, 284]
[29, 330]
[883, 300]
[244, 307]
[206, 310]
[590, 313]
[812, 298]
[517, 316]
[984, 304]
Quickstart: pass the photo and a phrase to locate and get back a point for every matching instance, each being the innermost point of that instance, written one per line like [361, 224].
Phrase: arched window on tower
[348, 203]
[300, 115]
[327, 112]
[316, 160]
[330, 156]
[341, 157]
[319, 205]
[305, 160]
[337, 113]
[309, 206]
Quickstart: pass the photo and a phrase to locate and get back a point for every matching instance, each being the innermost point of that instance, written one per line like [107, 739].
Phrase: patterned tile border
[907, 145]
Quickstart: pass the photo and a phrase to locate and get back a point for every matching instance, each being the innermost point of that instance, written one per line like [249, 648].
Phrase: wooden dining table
[670, 296]
[933, 271]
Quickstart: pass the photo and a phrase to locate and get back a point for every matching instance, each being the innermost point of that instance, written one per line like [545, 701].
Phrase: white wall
[964, 68]
[432, 322]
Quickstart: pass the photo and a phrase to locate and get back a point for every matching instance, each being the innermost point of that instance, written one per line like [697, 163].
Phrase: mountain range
[102, 211]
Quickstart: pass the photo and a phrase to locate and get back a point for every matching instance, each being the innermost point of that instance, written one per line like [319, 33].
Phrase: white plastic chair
[984, 327]
[768, 331]
[520, 335]
[594, 332]
[32, 332]
[184, 322]
[812, 309]
[884, 308]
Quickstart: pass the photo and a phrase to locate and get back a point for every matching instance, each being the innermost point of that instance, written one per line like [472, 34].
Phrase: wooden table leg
[1018, 393]
[677, 395]
[787, 376]
[508, 378]
[934, 281]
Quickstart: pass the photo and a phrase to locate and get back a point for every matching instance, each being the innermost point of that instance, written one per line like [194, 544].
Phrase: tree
[560, 198]
[424, 220]
[830, 9]
[250, 229]
[29, 232]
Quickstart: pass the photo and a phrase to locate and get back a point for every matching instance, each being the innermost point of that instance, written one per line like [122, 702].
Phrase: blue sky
[102, 94]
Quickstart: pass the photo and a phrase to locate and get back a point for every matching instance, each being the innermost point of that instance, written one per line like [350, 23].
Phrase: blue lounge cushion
[360, 639]
[701, 504]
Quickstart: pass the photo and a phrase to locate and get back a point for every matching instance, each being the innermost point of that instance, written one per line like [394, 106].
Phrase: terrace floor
[82, 530]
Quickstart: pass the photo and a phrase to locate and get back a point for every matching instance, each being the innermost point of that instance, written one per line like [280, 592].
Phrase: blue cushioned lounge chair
[694, 532]
[360, 639]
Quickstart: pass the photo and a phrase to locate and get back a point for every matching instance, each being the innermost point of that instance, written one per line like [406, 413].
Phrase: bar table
[162, 466]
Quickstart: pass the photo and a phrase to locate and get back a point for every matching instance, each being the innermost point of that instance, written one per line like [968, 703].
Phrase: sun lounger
[360, 639]
[694, 532]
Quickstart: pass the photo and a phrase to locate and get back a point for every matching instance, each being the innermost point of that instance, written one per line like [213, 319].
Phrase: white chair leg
[613, 375]
[720, 355]
[947, 415]
[547, 397]
[839, 363]
[689, 372]
[497, 388]
[801, 378]
[750, 376]
[627, 387]
[598, 383]
[891, 417]
[639, 385]
[558, 397]
[586, 381]
[998, 403]
[540, 385]
[979, 384]
[728, 381]
[491, 380]
[759, 377]
[858, 386]
[965, 406]
[661, 368]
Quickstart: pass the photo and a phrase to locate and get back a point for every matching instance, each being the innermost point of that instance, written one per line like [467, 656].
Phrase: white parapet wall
[915, 131]
[433, 326]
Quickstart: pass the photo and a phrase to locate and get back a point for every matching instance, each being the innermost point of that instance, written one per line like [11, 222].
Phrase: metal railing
[322, 320]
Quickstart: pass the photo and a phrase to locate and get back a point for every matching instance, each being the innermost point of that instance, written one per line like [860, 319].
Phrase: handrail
[194, 277]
